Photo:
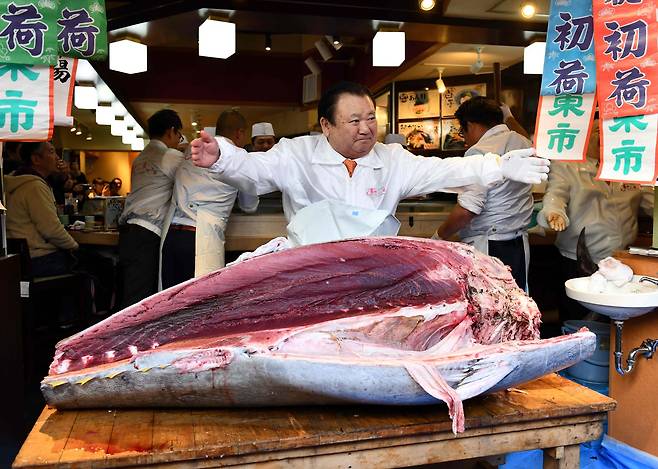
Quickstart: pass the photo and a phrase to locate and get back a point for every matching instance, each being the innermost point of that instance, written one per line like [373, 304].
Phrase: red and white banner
[63, 86]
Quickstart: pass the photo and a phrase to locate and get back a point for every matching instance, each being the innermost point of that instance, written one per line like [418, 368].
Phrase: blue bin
[595, 368]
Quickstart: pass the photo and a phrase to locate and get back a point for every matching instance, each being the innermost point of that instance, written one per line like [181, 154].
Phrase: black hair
[27, 149]
[479, 110]
[229, 121]
[163, 120]
[328, 101]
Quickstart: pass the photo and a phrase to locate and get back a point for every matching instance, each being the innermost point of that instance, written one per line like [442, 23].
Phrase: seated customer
[31, 211]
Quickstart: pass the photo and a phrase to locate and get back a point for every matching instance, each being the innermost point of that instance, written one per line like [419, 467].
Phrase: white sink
[633, 299]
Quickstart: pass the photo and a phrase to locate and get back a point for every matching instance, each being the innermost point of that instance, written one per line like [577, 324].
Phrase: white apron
[330, 220]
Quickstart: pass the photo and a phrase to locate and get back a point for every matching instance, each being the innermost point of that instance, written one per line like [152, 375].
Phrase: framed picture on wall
[455, 95]
[421, 135]
[451, 140]
[418, 104]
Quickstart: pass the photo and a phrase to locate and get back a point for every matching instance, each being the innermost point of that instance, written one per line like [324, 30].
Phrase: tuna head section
[376, 320]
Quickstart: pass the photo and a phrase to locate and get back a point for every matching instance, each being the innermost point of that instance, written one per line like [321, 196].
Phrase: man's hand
[522, 166]
[205, 150]
[556, 221]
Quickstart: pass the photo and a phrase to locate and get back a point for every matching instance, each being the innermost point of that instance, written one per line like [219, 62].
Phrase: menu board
[418, 104]
[421, 135]
[451, 139]
[455, 95]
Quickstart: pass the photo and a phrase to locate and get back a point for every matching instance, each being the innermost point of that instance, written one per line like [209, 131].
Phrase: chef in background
[343, 183]
[262, 136]
[194, 243]
[494, 220]
[608, 211]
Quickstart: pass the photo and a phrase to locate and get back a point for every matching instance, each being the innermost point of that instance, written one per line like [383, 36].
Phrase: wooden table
[551, 413]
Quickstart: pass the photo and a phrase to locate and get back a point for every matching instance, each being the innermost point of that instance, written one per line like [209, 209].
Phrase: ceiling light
[426, 5]
[137, 144]
[268, 42]
[128, 137]
[312, 65]
[216, 39]
[79, 131]
[194, 123]
[104, 115]
[128, 56]
[85, 72]
[88, 137]
[477, 66]
[105, 94]
[528, 9]
[73, 129]
[324, 51]
[440, 86]
[119, 109]
[118, 128]
[388, 49]
[86, 97]
[336, 41]
[533, 58]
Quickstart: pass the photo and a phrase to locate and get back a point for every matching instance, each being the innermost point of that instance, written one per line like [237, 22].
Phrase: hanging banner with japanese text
[28, 32]
[626, 35]
[563, 126]
[63, 85]
[82, 29]
[569, 65]
[628, 149]
[26, 102]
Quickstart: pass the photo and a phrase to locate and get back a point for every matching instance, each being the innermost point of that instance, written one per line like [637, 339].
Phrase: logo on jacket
[374, 191]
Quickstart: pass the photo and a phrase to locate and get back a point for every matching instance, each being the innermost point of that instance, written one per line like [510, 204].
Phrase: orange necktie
[350, 165]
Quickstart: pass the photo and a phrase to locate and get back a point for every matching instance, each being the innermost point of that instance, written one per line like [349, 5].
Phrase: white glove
[436, 236]
[521, 166]
[507, 113]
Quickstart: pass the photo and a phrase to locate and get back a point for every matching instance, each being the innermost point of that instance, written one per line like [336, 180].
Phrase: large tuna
[379, 320]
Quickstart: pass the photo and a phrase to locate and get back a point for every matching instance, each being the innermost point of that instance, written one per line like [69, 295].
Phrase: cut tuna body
[398, 321]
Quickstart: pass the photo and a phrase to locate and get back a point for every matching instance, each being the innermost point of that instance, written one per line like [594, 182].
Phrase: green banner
[28, 32]
[82, 29]
[37, 32]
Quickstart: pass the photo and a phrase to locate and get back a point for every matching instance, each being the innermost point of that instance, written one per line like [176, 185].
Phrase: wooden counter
[247, 232]
[551, 413]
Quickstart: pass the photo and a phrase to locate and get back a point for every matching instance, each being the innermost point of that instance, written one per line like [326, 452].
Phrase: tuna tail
[586, 265]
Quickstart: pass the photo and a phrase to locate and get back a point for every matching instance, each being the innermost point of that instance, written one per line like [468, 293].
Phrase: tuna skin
[375, 320]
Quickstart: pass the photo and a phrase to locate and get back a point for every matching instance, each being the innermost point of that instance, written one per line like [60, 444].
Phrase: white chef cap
[262, 129]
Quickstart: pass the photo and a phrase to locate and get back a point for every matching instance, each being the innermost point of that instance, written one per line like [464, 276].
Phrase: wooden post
[497, 81]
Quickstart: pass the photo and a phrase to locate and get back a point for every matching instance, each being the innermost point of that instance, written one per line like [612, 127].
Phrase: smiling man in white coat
[343, 183]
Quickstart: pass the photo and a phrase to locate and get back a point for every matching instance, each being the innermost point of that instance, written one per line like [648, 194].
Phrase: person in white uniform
[608, 211]
[494, 220]
[194, 243]
[262, 136]
[343, 183]
[142, 220]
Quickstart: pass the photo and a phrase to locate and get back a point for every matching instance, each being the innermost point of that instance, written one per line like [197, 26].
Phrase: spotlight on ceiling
[440, 86]
[324, 51]
[217, 39]
[426, 5]
[268, 42]
[388, 48]
[88, 137]
[528, 9]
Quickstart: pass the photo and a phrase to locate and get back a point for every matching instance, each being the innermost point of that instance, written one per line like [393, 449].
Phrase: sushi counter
[551, 413]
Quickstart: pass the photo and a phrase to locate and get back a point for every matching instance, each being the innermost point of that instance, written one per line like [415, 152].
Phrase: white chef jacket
[152, 180]
[503, 210]
[196, 188]
[308, 170]
[608, 210]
